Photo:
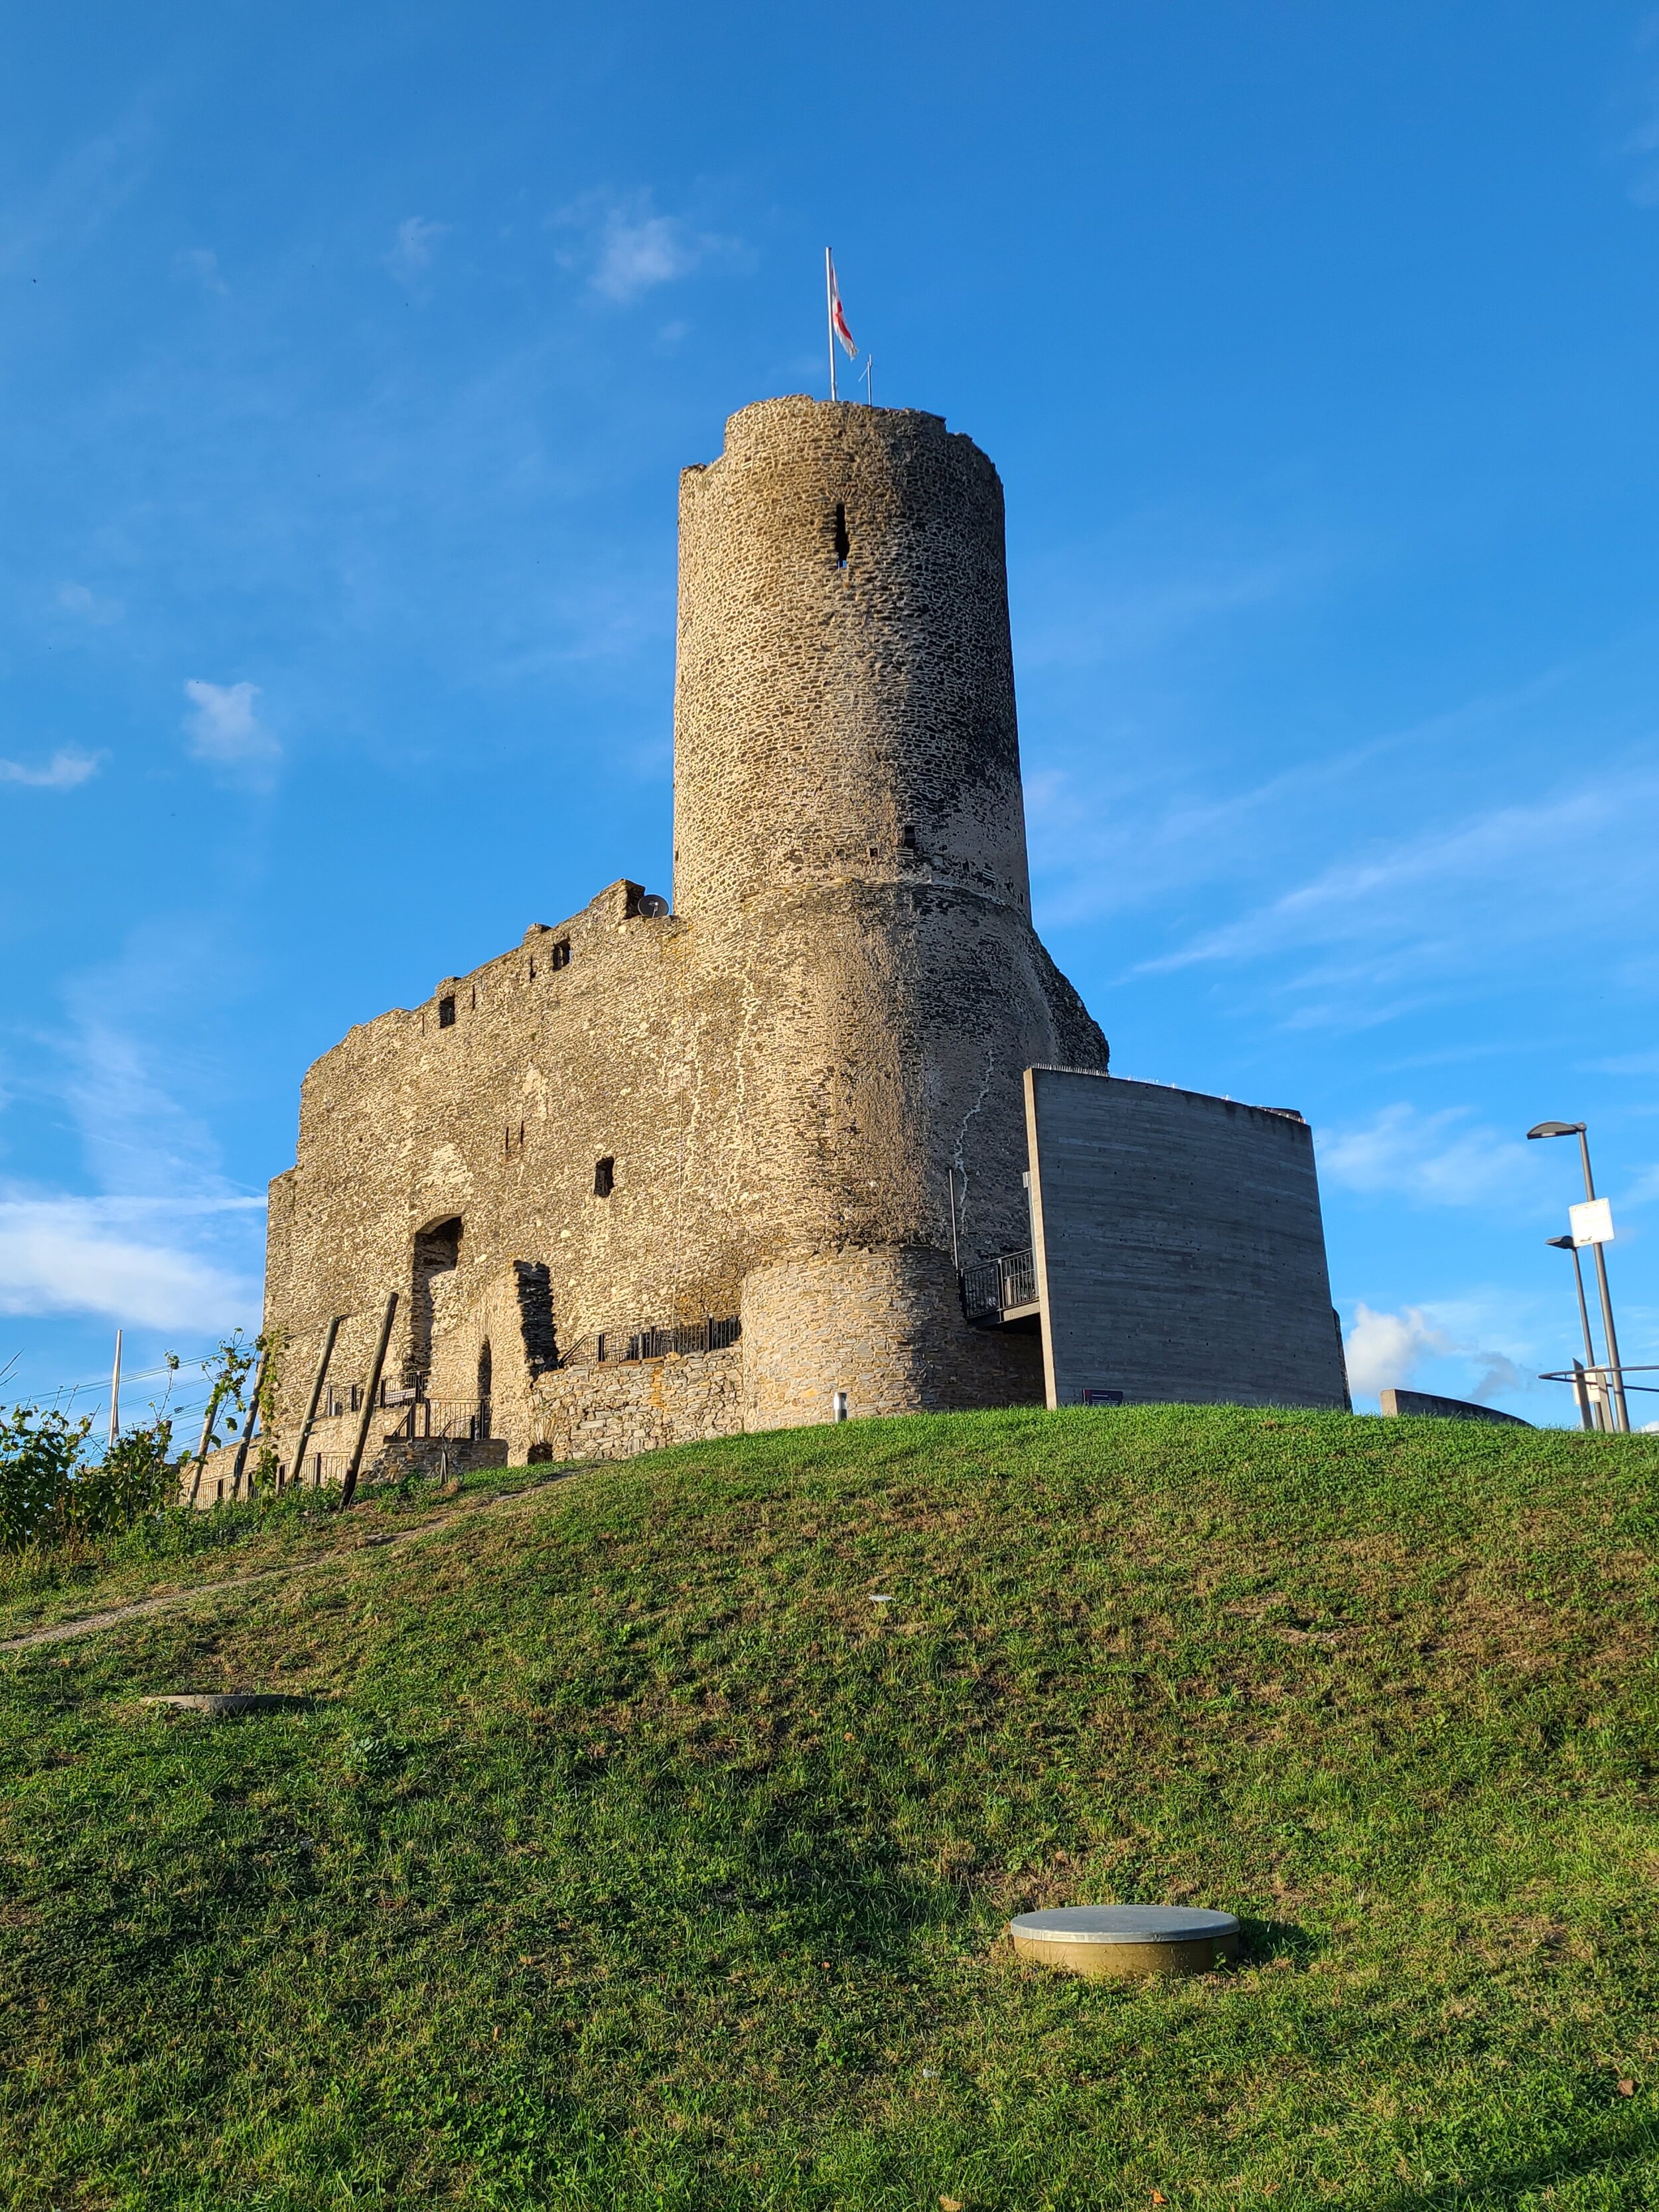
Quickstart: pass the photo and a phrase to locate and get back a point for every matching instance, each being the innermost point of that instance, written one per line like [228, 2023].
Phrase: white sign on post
[1592, 1221]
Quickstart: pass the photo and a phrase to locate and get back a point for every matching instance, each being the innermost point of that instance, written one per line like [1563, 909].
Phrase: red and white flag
[837, 319]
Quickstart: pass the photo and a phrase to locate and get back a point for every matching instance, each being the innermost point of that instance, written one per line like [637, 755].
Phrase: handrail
[1601, 1390]
[991, 1287]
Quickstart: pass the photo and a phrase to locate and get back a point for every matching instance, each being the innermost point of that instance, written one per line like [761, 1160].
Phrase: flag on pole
[837, 319]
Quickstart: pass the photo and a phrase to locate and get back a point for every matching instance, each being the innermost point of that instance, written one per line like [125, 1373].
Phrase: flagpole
[829, 315]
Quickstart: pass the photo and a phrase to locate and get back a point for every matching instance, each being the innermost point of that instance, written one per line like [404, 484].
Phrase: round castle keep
[654, 1174]
[844, 705]
[850, 837]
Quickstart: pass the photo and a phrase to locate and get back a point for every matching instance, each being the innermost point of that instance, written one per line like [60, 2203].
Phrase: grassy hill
[628, 1855]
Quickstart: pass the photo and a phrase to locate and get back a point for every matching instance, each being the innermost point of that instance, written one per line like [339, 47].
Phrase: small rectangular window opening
[908, 837]
[446, 1013]
[843, 543]
[604, 1176]
[560, 955]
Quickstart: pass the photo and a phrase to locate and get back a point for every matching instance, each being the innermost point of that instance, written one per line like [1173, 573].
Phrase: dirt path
[88, 1624]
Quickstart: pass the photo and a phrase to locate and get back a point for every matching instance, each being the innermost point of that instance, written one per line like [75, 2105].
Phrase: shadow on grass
[1261, 1941]
[1611, 2150]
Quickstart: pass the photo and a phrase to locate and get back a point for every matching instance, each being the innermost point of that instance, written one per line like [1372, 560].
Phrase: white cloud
[626, 249]
[112, 1257]
[412, 250]
[224, 728]
[1430, 1157]
[63, 772]
[77, 600]
[201, 263]
[1385, 1349]
[1487, 1341]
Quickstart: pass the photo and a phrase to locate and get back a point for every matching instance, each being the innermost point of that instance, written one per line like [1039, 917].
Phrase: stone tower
[674, 1169]
[850, 848]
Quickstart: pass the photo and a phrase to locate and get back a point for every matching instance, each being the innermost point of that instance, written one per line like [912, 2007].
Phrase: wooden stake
[247, 1428]
[316, 1398]
[369, 1396]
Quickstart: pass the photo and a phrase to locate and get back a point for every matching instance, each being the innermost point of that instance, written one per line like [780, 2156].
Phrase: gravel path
[88, 1624]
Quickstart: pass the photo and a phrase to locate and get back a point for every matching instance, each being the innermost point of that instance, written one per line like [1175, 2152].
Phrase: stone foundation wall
[595, 1410]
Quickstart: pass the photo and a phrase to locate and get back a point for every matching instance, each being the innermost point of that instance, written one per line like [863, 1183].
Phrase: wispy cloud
[1370, 936]
[87, 606]
[626, 249]
[413, 247]
[224, 728]
[135, 1083]
[114, 1257]
[1356, 898]
[200, 265]
[1388, 1351]
[84, 189]
[1436, 1159]
[1088, 604]
[63, 772]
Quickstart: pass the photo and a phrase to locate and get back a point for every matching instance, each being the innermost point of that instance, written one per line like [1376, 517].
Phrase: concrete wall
[1427, 1405]
[1180, 1254]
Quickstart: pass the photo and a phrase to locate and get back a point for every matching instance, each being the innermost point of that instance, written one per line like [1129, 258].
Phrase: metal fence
[461, 1421]
[620, 1344]
[992, 1287]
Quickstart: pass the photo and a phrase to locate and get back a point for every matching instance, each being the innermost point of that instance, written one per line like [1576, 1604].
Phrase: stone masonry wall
[792, 1076]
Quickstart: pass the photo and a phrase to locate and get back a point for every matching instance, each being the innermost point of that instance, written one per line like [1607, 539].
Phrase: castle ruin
[681, 1168]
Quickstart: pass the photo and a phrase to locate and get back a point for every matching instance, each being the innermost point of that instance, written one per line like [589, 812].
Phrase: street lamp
[1615, 1376]
[1566, 1244]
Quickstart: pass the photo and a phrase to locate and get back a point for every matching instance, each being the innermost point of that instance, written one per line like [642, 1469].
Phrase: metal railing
[992, 1287]
[622, 1344]
[458, 1420]
[1593, 1390]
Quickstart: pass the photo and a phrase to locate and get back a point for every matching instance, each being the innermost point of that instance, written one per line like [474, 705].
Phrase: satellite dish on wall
[653, 906]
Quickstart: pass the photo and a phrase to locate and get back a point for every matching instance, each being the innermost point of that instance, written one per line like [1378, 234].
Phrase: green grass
[629, 1856]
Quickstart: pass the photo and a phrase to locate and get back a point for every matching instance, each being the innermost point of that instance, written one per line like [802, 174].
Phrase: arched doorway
[437, 1252]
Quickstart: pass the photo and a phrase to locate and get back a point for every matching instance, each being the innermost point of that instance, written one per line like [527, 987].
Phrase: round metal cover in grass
[1126, 1939]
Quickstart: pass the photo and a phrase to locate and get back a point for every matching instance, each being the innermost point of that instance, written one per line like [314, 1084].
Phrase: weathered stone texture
[787, 1069]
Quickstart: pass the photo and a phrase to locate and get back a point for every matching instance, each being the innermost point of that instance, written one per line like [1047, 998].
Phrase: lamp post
[1566, 1244]
[1615, 1377]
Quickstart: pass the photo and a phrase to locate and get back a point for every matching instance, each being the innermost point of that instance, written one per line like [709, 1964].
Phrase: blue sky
[348, 357]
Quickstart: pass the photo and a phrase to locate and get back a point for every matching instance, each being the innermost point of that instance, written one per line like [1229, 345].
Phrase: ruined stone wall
[497, 1121]
[791, 1073]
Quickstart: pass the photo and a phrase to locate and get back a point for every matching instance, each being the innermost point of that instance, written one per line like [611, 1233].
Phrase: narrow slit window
[604, 1176]
[446, 1013]
[908, 837]
[843, 543]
